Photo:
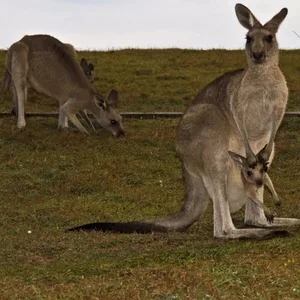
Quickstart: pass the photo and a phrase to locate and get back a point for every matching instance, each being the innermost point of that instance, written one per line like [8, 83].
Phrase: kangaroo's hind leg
[19, 68]
[14, 110]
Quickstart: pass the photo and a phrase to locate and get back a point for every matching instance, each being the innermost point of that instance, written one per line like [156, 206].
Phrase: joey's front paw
[270, 216]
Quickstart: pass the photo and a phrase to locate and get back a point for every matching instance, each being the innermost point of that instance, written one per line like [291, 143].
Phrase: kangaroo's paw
[269, 215]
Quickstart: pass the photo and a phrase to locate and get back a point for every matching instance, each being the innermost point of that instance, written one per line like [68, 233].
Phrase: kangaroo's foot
[285, 222]
[276, 222]
[267, 220]
[254, 233]
[21, 123]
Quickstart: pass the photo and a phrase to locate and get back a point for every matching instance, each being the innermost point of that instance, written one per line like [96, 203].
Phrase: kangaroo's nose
[121, 132]
[259, 182]
[258, 55]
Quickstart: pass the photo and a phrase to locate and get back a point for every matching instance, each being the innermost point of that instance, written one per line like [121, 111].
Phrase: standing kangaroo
[45, 64]
[249, 102]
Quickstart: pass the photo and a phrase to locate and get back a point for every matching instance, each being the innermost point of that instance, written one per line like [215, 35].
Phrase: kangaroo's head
[88, 69]
[253, 167]
[106, 114]
[261, 43]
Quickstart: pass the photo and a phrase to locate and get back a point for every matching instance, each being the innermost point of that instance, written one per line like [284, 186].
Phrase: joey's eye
[248, 38]
[249, 173]
[113, 122]
[265, 169]
[269, 38]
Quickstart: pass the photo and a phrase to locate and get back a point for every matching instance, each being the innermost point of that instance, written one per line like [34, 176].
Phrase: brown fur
[45, 64]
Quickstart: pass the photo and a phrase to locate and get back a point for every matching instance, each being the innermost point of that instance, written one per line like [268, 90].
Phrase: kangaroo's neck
[269, 67]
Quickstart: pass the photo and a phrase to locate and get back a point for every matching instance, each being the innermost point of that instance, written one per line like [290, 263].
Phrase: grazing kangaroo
[249, 101]
[87, 68]
[45, 64]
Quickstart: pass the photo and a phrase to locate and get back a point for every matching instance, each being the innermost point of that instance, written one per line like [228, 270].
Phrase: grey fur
[243, 103]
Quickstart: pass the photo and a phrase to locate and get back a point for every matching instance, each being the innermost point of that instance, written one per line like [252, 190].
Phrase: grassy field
[161, 80]
[52, 180]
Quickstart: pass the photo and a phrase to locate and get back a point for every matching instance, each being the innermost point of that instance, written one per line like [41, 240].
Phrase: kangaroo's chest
[261, 105]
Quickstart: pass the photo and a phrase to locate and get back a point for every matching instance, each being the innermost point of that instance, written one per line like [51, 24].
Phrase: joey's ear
[83, 63]
[100, 101]
[264, 154]
[246, 17]
[113, 98]
[238, 159]
[274, 23]
[91, 67]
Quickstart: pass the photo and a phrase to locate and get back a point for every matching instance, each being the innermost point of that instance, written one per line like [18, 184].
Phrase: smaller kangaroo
[253, 172]
[45, 64]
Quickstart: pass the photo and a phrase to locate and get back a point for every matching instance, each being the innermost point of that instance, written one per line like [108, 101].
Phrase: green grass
[51, 181]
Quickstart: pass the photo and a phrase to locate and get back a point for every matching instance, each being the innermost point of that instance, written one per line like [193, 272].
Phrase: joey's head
[105, 112]
[261, 43]
[252, 170]
[88, 69]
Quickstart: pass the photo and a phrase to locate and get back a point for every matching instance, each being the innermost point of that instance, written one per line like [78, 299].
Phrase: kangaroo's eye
[248, 38]
[113, 122]
[249, 173]
[269, 38]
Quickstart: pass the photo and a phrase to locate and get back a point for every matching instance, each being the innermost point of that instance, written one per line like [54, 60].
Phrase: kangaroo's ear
[274, 23]
[263, 155]
[113, 98]
[100, 101]
[91, 67]
[83, 63]
[238, 159]
[246, 17]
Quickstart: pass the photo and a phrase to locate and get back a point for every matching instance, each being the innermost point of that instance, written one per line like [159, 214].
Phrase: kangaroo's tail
[194, 206]
[6, 81]
[129, 227]
[188, 214]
